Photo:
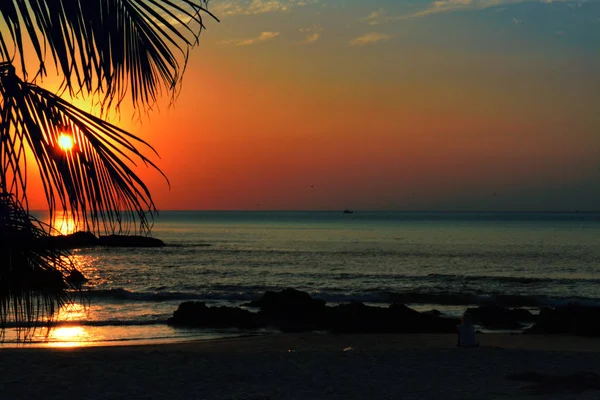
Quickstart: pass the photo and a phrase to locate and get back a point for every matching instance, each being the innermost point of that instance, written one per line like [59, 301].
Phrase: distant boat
[348, 211]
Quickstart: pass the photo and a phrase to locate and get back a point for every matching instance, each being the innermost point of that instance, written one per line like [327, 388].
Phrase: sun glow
[64, 224]
[65, 142]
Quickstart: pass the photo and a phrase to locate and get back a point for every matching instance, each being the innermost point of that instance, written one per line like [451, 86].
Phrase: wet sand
[306, 366]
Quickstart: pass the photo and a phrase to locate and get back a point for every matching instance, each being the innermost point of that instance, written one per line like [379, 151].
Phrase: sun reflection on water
[68, 336]
[72, 312]
[67, 333]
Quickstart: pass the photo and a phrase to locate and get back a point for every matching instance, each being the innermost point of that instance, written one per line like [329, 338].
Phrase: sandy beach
[307, 366]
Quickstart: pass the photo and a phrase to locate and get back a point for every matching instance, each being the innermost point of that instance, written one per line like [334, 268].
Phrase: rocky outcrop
[397, 318]
[294, 311]
[291, 310]
[196, 314]
[79, 240]
[287, 301]
[494, 317]
[576, 320]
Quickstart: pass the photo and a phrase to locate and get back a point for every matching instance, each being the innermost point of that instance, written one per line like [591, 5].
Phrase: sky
[467, 105]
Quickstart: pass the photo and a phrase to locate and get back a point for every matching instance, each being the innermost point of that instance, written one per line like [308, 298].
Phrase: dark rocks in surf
[433, 298]
[294, 311]
[197, 315]
[433, 313]
[291, 310]
[80, 240]
[287, 301]
[571, 319]
[464, 299]
[357, 317]
[492, 316]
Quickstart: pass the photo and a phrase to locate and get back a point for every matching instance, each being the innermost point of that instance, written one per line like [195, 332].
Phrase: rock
[291, 310]
[413, 321]
[433, 298]
[287, 300]
[397, 318]
[81, 239]
[295, 311]
[433, 313]
[76, 278]
[75, 240]
[492, 316]
[356, 317]
[197, 314]
[576, 320]
[129, 241]
[552, 321]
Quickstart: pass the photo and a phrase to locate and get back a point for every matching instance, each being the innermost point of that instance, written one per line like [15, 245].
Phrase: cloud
[311, 35]
[264, 36]
[253, 7]
[370, 38]
[312, 38]
[376, 17]
[460, 5]
[441, 6]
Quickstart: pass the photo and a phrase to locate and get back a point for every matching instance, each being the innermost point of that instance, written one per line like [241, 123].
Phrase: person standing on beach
[466, 332]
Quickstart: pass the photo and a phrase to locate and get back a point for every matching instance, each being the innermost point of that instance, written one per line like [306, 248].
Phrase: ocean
[426, 260]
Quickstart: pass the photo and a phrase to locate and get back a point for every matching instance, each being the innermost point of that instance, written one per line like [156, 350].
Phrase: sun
[65, 142]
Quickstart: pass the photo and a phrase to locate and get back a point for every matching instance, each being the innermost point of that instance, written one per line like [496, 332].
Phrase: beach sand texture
[305, 366]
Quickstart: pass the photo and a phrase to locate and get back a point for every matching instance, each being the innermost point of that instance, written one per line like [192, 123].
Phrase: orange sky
[462, 109]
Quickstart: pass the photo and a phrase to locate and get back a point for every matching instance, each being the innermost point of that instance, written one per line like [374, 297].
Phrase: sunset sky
[385, 104]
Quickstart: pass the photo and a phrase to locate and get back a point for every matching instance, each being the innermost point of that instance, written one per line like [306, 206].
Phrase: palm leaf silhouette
[94, 180]
[34, 274]
[109, 48]
[106, 49]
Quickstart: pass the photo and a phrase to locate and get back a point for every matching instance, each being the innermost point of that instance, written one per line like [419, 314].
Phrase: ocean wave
[111, 322]
[508, 253]
[441, 278]
[159, 296]
[458, 299]
[504, 300]
[188, 245]
[333, 296]
[124, 294]
[509, 279]
[116, 322]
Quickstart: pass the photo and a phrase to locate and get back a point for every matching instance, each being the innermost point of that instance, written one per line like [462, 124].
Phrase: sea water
[426, 260]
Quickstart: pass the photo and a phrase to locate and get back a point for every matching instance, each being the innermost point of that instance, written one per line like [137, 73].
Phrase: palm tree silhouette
[109, 51]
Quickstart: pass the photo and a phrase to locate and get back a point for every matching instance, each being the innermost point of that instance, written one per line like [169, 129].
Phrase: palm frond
[34, 281]
[94, 180]
[108, 47]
